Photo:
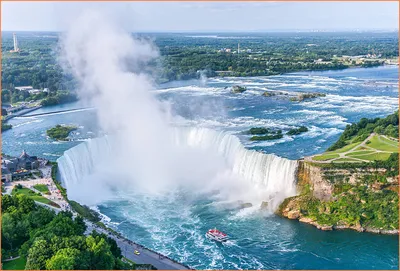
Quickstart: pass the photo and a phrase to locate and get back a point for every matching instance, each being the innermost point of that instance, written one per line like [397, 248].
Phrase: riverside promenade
[147, 256]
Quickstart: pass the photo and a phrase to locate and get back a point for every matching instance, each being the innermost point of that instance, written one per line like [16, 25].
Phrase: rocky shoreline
[295, 215]
[331, 204]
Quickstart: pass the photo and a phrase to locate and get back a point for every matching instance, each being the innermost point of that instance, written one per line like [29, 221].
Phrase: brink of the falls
[256, 176]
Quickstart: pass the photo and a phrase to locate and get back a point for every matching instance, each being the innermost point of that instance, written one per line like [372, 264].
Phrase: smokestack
[16, 49]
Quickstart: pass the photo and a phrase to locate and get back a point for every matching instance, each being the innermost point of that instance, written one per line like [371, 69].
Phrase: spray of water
[146, 152]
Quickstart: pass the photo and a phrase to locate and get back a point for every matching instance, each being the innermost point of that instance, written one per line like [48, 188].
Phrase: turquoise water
[175, 224]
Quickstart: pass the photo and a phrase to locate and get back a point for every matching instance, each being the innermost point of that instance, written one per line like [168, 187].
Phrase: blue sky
[208, 16]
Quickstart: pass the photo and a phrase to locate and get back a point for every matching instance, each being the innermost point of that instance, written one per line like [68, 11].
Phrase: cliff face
[329, 198]
[311, 176]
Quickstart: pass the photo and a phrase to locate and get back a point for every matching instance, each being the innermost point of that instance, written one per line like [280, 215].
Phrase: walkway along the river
[147, 256]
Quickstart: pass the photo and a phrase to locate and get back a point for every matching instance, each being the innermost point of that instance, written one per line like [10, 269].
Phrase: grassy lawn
[17, 264]
[326, 156]
[34, 196]
[357, 153]
[389, 141]
[24, 191]
[374, 156]
[345, 148]
[341, 160]
[383, 144]
[42, 188]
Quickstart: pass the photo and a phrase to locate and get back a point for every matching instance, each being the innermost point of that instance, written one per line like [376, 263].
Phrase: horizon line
[235, 31]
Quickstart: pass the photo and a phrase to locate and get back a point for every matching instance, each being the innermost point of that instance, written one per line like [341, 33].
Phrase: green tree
[24, 203]
[64, 259]
[379, 130]
[38, 254]
[101, 256]
[6, 202]
[14, 230]
[391, 131]
[115, 250]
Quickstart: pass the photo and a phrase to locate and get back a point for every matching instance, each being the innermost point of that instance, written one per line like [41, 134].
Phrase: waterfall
[268, 174]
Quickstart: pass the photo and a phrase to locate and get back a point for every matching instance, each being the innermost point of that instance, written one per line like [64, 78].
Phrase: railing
[161, 256]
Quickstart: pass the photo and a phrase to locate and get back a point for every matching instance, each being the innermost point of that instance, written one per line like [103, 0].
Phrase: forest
[45, 240]
[187, 56]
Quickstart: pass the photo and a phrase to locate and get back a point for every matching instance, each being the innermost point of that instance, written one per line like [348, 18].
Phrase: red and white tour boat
[217, 235]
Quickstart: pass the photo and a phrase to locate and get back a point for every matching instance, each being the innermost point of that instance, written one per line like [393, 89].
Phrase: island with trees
[60, 132]
[261, 133]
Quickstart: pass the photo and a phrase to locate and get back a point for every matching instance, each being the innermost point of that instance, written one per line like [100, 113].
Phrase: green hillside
[365, 141]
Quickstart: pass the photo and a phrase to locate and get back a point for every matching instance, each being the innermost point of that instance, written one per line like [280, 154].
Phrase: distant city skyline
[209, 16]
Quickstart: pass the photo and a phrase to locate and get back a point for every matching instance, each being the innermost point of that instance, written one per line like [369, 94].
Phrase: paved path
[343, 155]
[146, 256]
[127, 247]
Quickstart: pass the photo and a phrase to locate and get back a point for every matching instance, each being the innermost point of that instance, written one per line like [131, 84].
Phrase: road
[146, 256]
[127, 247]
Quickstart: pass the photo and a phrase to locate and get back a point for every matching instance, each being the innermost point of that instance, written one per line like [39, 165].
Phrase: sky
[208, 16]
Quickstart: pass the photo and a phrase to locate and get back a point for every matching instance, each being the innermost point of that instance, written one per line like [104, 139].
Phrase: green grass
[363, 148]
[17, 264]
[376, 142]
[42, 188]
[357, 153]
[85, 211]
[24, 191]
[341, 160]
[326, 156]
[34, 196]
[383, 144]
[345, 148]
[374, 156]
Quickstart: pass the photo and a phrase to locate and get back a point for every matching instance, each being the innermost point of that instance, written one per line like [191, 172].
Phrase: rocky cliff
[351, 198]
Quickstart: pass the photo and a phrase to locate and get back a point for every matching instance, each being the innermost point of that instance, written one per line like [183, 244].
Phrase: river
[174, 224]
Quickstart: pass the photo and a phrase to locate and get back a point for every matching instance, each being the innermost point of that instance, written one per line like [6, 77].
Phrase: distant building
[6, 175]
[19, 165]
[14, 109]
[26, 161]
[31, 90]
[28, 88]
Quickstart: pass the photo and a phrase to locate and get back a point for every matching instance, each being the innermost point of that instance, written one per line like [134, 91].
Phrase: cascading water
[269, 177]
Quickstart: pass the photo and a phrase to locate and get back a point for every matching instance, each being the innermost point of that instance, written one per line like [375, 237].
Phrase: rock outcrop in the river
[329, 198]
[293, 96]
[238, 89]
[302, 96]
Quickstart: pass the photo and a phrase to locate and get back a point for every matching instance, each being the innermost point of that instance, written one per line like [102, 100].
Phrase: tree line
[54, 241]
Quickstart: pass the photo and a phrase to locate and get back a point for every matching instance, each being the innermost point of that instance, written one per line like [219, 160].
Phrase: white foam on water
[260, 175]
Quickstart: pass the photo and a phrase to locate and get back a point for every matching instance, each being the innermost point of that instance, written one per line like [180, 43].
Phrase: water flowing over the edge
[273, 175]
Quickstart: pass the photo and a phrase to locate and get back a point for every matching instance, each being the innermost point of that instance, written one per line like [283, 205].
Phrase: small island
[293, 96]
[302, 96]
[238, 89]
[5, 126]
[297, 131]
[60, 132]
[261, 133]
